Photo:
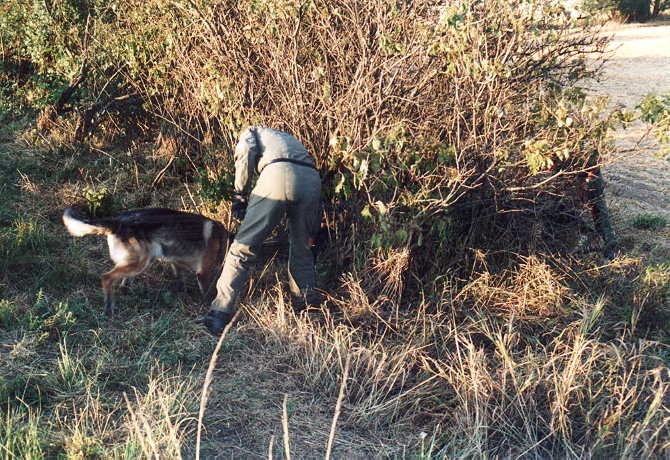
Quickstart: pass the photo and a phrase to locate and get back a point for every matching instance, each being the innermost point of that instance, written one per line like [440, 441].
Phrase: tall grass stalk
[338, 407]
[20, 434]
[204, 393]
[284, 424]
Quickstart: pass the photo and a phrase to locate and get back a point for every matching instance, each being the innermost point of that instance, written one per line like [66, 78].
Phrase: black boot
[310, 299]
[216, 320]
[298, 304]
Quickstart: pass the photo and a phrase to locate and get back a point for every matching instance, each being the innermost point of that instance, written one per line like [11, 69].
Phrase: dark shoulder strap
[257, 159]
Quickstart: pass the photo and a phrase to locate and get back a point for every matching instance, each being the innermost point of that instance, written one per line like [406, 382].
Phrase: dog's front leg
[204, 284]
[178, 284]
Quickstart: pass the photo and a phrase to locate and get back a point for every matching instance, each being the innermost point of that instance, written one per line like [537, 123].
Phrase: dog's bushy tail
[80, 226]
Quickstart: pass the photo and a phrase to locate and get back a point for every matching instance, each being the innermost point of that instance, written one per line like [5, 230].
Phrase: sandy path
[638, 182]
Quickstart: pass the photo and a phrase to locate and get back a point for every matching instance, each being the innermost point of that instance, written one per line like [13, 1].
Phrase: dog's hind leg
[178, 271]
[118, 272]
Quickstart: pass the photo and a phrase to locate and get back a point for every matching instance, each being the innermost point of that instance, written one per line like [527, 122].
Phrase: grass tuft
[21, 435]
[649, 222]
[161, 418]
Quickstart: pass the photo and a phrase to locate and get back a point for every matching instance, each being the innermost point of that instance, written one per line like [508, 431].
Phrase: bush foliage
[632, 10]
[655, 110]
[435, 126]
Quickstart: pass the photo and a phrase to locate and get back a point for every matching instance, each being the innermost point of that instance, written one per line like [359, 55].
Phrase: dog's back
[173, 235]
[138, 237]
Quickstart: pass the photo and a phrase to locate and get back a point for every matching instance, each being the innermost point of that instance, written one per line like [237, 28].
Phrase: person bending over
[288, 184]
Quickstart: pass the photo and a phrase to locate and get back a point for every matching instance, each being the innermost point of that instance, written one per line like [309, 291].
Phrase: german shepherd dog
[136, 238]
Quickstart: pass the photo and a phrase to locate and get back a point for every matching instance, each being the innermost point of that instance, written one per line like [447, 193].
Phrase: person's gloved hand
[238, 207]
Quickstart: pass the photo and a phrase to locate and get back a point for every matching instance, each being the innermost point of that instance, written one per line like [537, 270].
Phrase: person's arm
[246, 159]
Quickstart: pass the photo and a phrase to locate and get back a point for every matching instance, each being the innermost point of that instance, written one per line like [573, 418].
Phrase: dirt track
[638, 182]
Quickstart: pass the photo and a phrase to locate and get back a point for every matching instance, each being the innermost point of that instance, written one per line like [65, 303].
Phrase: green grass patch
[26, 244]
[70, 379]
[19, 390]
[20, 434]
[649, 222]
[656, 279]
[9, 315]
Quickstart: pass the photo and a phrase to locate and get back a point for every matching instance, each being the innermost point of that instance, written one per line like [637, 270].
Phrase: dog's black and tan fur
[136, 238]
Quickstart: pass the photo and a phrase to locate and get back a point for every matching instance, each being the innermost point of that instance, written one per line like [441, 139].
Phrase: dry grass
[532, 290]
[162, 418]
[480, 385]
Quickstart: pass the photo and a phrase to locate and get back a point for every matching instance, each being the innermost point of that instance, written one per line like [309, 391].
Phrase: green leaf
[366, 212]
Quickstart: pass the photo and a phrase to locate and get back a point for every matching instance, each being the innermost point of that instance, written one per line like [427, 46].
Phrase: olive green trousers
[282, 189]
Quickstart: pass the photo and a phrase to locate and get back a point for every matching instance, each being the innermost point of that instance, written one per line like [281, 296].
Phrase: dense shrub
[655, 110]
[437, 127]
[637, 10]
[632, 10]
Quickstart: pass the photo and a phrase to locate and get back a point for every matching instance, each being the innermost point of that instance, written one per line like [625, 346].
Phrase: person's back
[275, 144]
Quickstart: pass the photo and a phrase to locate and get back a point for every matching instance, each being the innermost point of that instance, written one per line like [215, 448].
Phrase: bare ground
[638, 182]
